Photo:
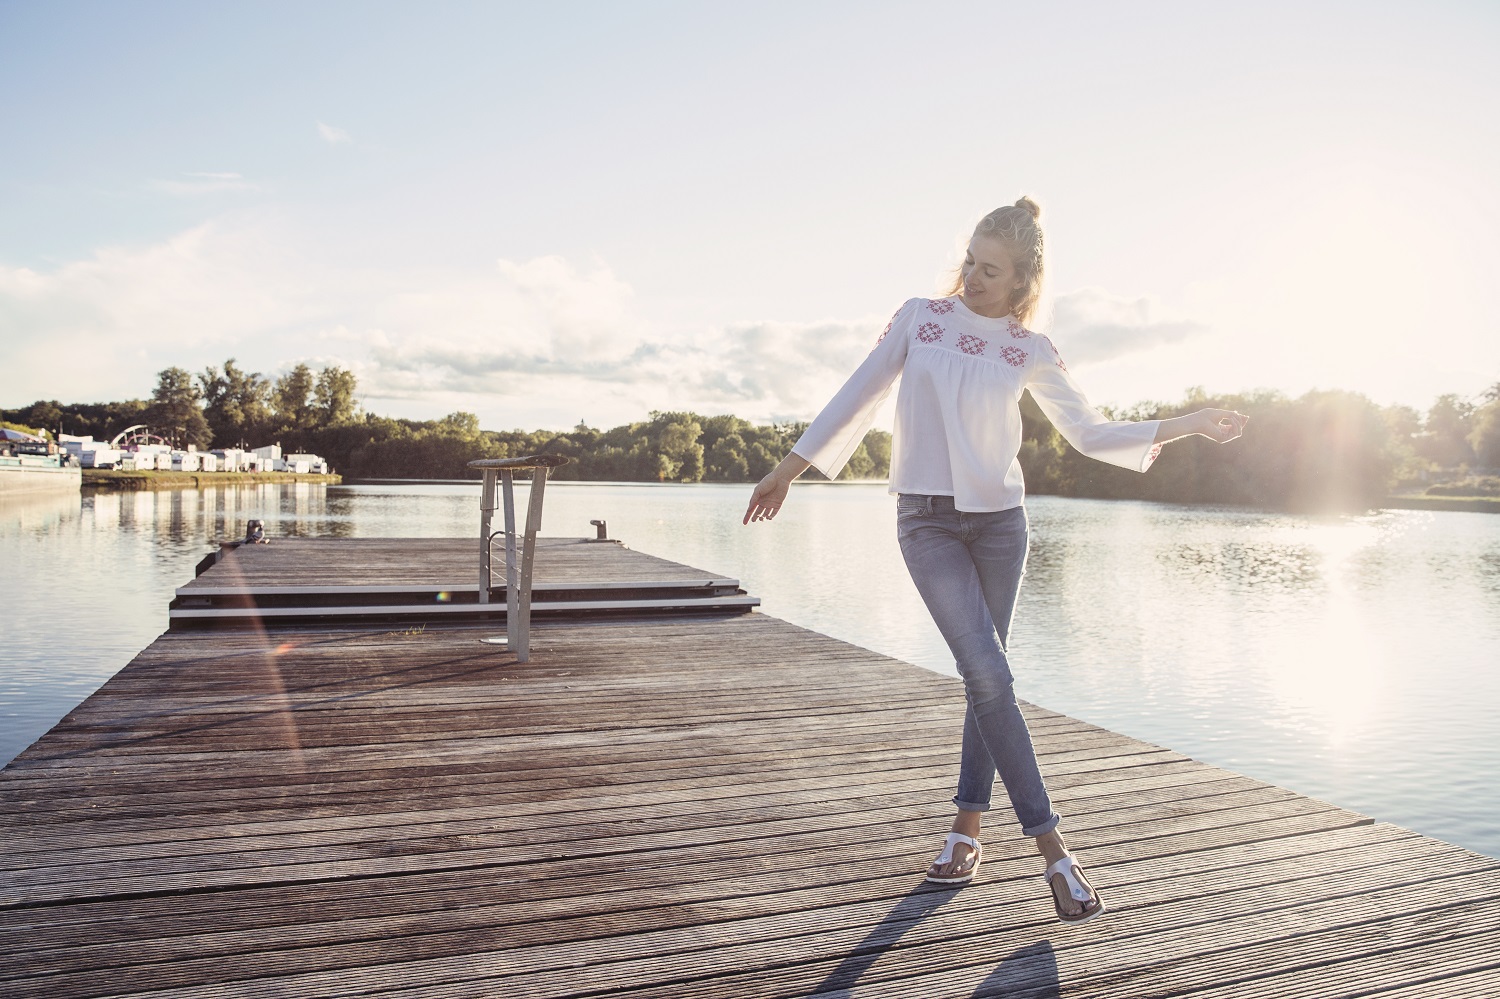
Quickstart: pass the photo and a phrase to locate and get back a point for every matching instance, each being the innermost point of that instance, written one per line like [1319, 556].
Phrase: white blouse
[958, 414]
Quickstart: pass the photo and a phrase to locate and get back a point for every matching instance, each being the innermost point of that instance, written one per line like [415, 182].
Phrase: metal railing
[517, 578]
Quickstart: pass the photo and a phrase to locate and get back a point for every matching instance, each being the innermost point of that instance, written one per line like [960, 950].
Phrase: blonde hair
[1018, 226]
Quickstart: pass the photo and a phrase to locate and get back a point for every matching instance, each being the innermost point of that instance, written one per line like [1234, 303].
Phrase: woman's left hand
[1222, 425]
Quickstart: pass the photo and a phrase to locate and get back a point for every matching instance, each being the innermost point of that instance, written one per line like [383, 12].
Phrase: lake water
[1355, 659]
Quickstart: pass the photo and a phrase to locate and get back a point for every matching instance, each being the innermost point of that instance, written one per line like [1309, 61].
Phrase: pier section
[665, 801]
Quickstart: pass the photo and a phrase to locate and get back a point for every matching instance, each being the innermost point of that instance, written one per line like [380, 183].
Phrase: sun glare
[1329, 664]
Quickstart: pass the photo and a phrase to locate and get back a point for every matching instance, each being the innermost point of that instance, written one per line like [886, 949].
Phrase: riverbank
[1462, 504]
[109, 480]
[113, 480]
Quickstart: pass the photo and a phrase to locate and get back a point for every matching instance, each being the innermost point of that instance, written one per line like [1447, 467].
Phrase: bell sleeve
[833, 437]
[1127, 443]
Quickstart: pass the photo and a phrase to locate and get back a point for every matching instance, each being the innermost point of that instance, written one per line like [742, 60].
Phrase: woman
[960, 520]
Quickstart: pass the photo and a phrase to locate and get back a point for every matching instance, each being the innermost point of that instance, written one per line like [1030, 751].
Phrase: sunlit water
[1350, 658]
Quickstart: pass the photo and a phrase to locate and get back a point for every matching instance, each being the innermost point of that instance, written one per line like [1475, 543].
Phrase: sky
[552, 213]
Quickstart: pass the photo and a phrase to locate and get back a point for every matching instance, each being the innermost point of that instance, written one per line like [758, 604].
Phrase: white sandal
[946, 857]
[1072, 873]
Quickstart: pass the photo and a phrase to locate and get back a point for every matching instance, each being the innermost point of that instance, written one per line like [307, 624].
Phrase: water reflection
[1350, 658]
[1320, 662]
[1268, 564]
[38, 513]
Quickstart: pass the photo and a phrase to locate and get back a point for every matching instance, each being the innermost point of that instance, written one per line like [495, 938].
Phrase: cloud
[545, 328]
[100, 327]
[1091, 325]
[764, 370]
[333, 135]
[521, 342]
[196, 184]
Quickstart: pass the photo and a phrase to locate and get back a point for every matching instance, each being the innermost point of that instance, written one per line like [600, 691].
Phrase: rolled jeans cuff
[971, 806]
[1044, 828]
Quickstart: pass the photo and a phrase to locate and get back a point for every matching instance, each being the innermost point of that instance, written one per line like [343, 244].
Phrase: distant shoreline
[108, 480]
[1467, 504]
[114, 480]
[364, 481]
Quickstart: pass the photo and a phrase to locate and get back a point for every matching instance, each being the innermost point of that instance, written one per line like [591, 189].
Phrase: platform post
[528, 552]
[518, 572]
[486, 519]
[512, 580]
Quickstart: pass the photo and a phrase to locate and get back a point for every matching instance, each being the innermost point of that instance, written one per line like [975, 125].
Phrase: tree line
[319, 412]
[1324, 450]
[218, 408]
[1321, 450]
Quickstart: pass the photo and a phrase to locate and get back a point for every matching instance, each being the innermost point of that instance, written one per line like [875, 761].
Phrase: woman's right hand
[1222, 425]
[771, 491]
[769, 494]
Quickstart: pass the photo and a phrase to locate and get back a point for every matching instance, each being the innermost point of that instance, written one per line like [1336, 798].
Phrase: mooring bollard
[517, 579]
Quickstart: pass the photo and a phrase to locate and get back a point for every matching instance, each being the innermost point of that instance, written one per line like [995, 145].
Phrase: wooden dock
[662, 803]
[435, 579]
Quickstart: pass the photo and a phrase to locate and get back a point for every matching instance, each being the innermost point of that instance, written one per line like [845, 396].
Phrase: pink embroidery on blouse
[887, 330]
[940, 305]
[1014, 356]
[1016, 330]
[929, 333]
[970, 344]
[1056, 355]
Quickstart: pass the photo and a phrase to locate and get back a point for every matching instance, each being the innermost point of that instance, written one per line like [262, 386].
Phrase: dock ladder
[517, 578]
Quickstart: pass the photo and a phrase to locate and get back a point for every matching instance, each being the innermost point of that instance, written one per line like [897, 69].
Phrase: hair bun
[1031, 206]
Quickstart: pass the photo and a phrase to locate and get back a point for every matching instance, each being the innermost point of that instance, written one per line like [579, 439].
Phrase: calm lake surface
[1353, 659]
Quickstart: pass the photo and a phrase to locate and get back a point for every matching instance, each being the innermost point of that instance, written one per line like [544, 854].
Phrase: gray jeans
[968, 567]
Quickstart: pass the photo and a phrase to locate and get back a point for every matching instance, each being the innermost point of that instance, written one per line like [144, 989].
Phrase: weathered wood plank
[750, 911]
[891, 855]
[378, 561]
[695, 806]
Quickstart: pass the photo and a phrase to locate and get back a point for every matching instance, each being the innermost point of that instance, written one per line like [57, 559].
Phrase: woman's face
[990, 277]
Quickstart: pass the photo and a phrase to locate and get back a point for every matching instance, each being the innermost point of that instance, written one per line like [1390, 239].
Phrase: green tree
[100, 420]
[878, 447]
[46, 416]
[1405, 426]
[333, 396]
[1485, 437]
[727, 461]
[292, 398]
[859, 465]
[236, 404]
[175, 410]
[760, 461]
[680, 456]
[1445, 437]
[462, 425]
